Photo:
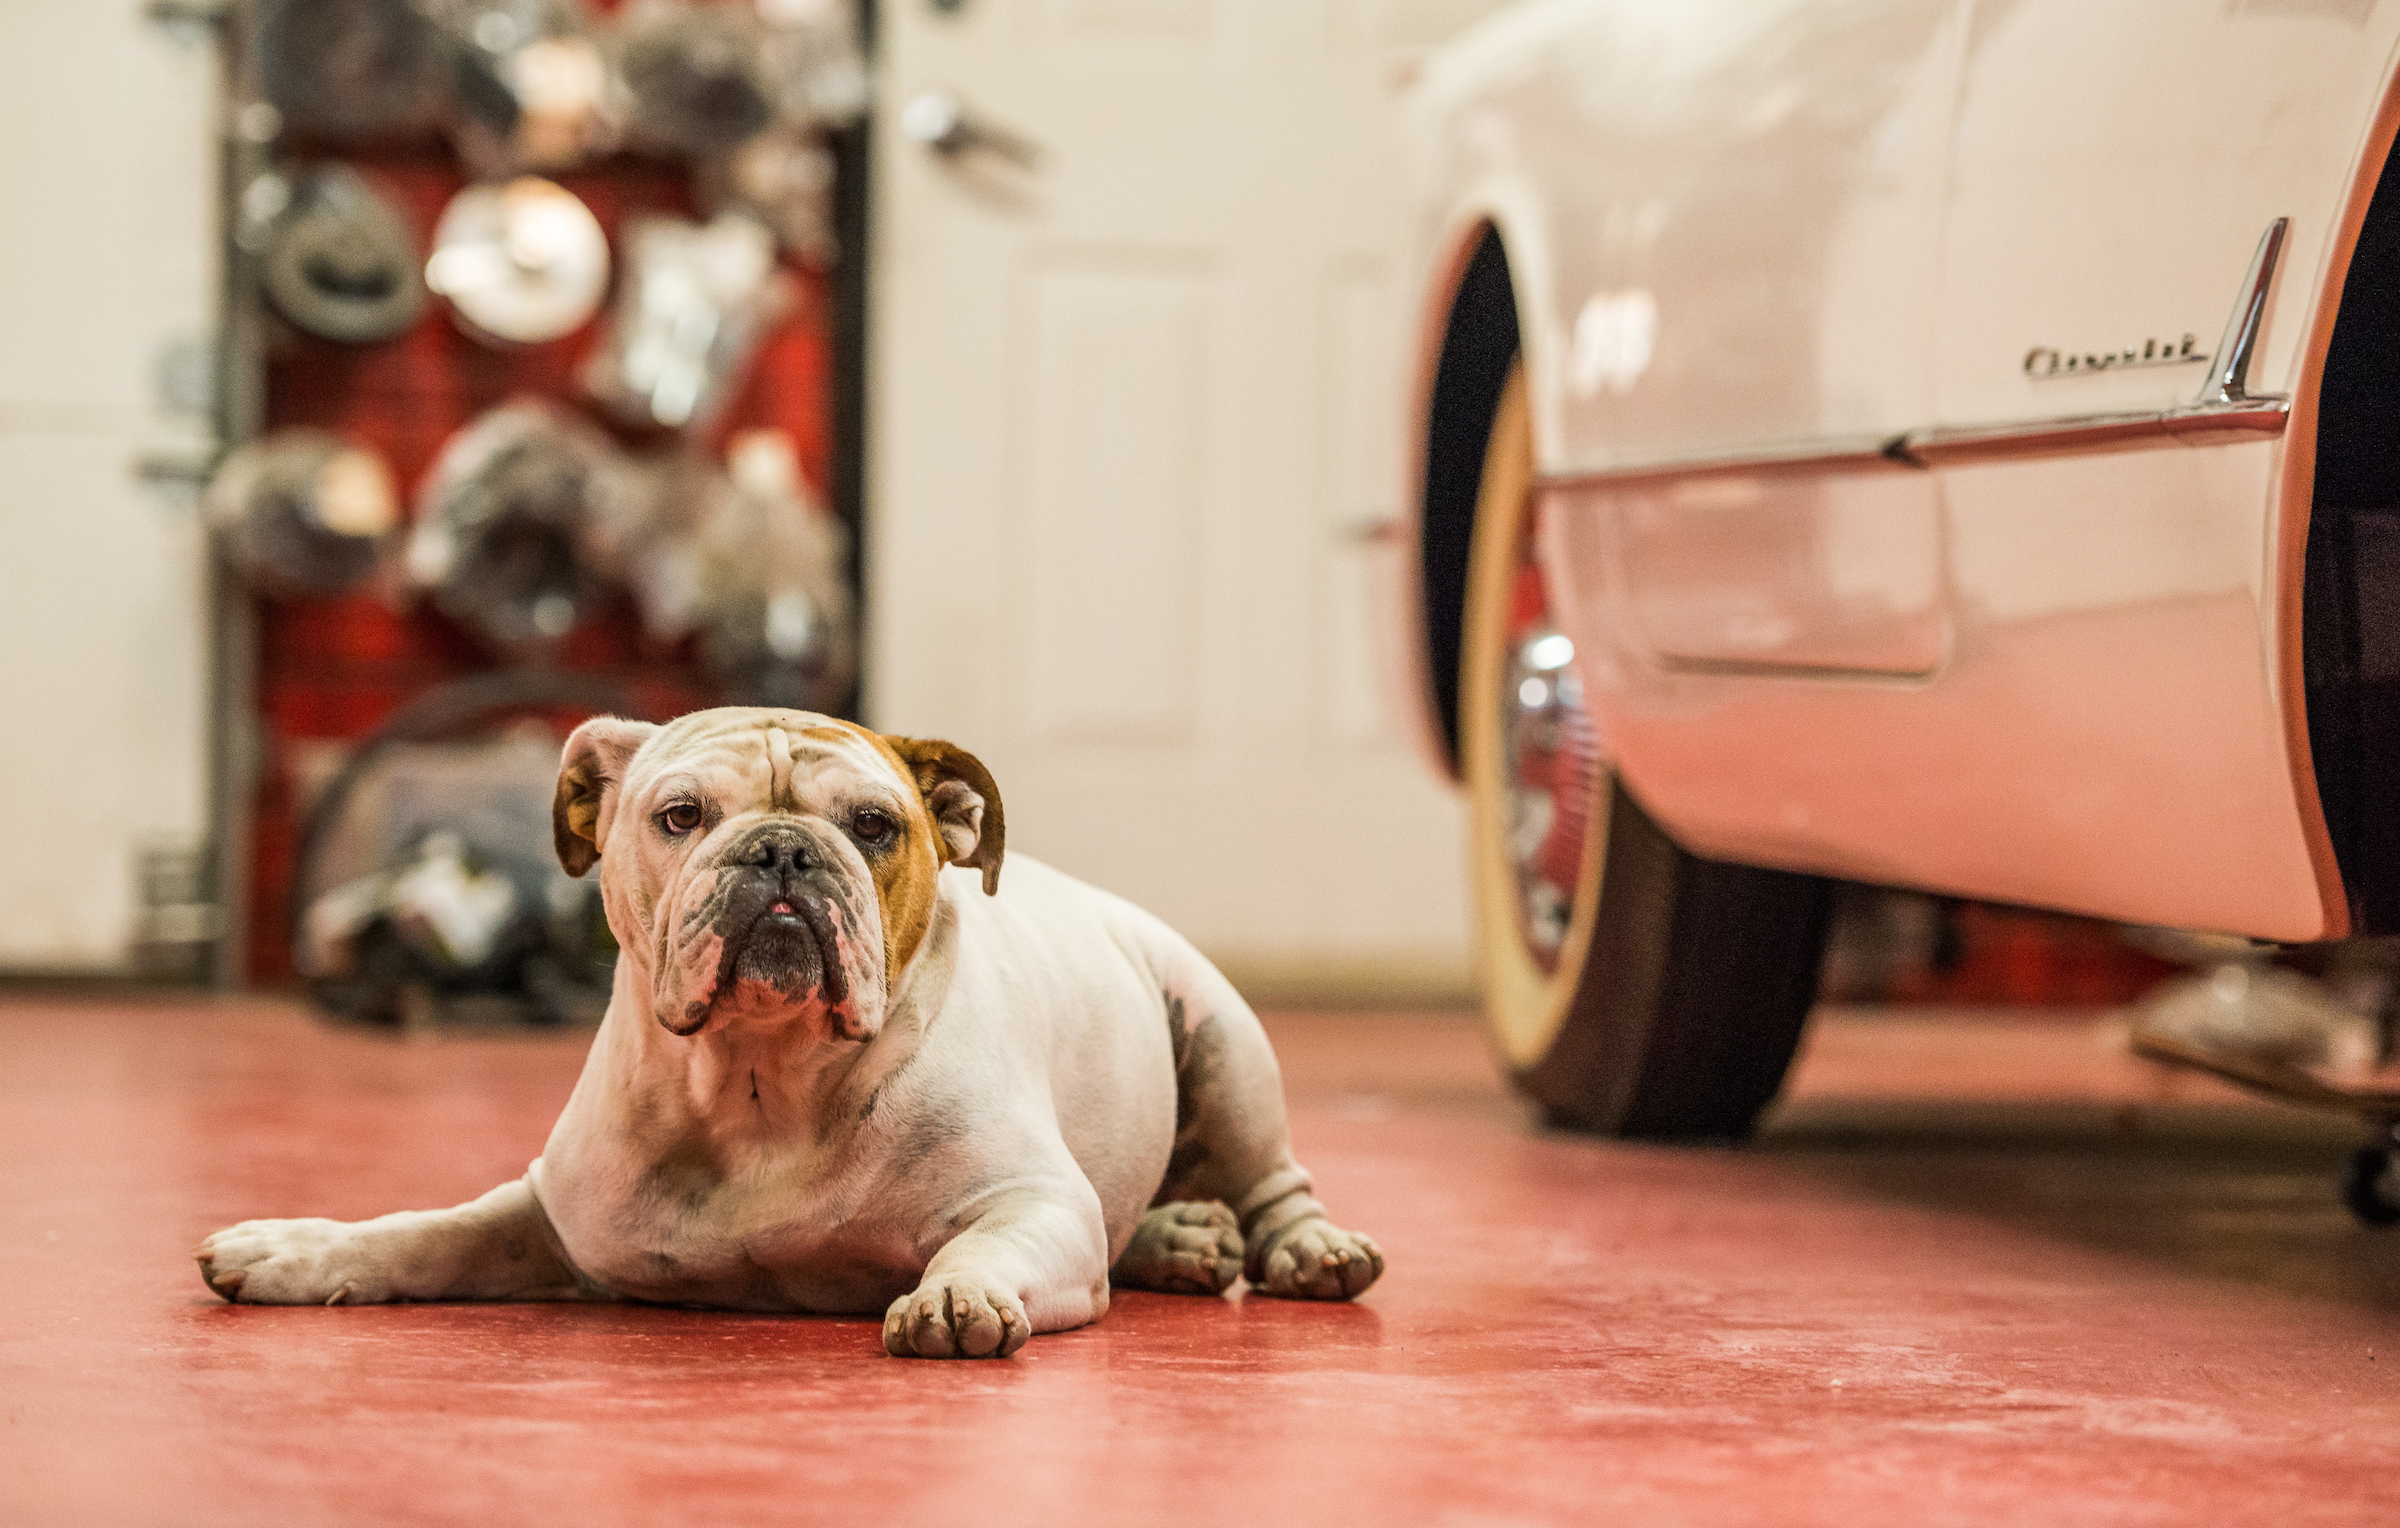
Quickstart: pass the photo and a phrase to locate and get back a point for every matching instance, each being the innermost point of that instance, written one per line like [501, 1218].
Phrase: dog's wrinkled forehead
[763, 759]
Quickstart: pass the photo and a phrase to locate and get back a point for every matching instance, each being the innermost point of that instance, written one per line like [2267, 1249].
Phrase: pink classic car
[1927, 443]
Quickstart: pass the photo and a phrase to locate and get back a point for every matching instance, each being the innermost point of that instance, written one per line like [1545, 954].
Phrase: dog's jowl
[836, 1076]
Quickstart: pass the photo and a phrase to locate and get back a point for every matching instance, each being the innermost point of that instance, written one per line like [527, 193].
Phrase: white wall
[106, 256]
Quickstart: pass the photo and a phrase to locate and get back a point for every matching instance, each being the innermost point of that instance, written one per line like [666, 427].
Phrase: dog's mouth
[787, 947]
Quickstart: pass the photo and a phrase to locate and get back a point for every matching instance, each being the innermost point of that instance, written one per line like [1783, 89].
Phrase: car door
[2123, 587]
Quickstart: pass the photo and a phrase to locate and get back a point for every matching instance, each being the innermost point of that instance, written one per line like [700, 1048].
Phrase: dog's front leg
[498, 1247]
[1032, 1258]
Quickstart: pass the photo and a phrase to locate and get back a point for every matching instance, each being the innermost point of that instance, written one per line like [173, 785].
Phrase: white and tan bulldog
[835, 1079]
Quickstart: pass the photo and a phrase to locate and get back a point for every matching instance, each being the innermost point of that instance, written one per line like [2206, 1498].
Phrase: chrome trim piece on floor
[2225, 413]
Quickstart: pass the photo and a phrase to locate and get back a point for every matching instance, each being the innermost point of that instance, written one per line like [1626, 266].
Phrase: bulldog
[838, 1077]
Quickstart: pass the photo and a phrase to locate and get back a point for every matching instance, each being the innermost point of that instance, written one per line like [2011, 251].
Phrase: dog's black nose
[778, 851]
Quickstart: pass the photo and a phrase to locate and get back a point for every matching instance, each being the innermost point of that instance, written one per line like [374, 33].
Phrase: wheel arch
[2341, 547]
[1474, 336]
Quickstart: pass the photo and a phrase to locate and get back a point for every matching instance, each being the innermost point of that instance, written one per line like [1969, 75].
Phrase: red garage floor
[1978, 1271]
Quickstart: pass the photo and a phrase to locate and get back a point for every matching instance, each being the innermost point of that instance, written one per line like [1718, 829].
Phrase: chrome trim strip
[1796, 462]
[1766, 668]
[1961, 445]
[1858, 453]
[2229, 378]
[2190, 424]
[2225, 413]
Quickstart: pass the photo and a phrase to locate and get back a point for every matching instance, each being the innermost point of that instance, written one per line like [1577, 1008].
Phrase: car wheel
[1632, 988]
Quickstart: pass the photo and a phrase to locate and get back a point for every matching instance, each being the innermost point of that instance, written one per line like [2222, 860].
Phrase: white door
[1129, 409]
[107, 278]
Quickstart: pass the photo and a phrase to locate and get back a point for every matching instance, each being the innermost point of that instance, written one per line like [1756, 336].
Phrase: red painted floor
[1977, 1271]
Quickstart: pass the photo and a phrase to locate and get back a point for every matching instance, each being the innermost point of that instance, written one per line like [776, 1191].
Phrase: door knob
[942, 122]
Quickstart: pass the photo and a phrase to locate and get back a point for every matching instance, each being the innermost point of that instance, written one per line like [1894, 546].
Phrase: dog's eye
[872, 826]
[679, 819]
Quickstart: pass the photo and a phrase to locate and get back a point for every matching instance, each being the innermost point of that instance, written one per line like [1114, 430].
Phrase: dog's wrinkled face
[768, 865]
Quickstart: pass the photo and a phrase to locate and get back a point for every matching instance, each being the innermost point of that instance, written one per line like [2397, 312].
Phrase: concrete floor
[1979, 1269]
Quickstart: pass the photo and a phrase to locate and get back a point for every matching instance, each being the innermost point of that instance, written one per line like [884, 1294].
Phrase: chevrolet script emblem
[2043, 362]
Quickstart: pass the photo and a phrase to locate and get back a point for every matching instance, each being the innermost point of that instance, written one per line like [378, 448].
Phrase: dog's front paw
[956, 1315]
[1314, 1259]
[291, 1262]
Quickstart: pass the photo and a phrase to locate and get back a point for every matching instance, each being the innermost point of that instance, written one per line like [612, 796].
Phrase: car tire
[1633, 989]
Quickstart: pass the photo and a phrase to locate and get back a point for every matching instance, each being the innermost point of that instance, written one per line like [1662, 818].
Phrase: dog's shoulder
[1059, 933]
[1036, 898]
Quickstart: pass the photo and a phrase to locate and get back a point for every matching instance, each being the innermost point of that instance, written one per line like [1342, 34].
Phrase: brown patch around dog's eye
[679, 819]
[908, 869]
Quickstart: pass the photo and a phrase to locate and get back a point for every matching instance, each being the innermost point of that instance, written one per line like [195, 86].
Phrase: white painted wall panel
[106, 257]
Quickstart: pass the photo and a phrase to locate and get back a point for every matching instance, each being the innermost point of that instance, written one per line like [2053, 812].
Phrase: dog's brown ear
[588, 771]
[965, 804]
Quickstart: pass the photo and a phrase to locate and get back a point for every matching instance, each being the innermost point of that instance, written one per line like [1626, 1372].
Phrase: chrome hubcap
[1551, 759]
